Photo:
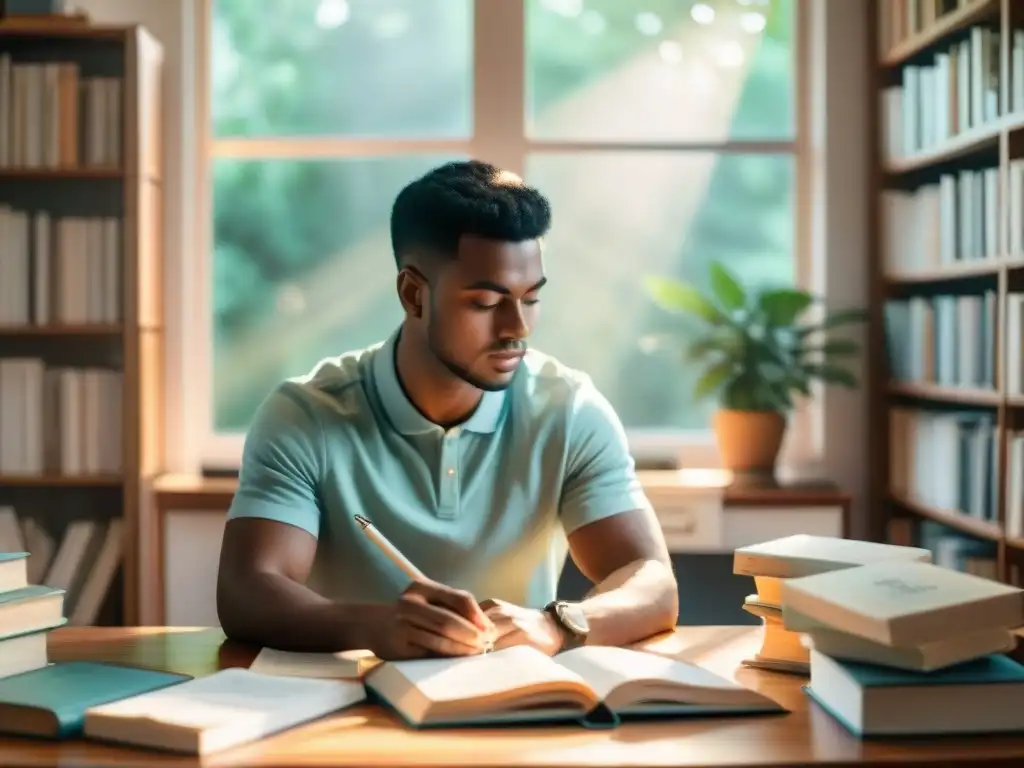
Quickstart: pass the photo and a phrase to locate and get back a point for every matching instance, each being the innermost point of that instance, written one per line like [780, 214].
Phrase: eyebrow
[487, 285]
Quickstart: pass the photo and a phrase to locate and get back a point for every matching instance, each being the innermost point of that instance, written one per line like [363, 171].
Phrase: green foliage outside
[401, 68]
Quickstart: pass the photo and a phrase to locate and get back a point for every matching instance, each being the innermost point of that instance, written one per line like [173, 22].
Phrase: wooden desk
[367, 736]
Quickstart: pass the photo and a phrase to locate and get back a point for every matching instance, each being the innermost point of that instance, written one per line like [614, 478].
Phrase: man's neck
[433, 390]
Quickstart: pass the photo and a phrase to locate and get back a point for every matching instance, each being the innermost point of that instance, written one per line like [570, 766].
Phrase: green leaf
[724, 341]
[780, 393]
[676, 296]
[713, 378]
[727, 288]
[739, 395]
[782, 306]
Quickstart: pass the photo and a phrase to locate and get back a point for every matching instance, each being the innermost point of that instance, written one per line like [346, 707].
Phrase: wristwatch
[571, 620]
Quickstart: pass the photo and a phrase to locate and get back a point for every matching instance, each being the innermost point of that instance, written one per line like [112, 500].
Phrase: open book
[594, 685]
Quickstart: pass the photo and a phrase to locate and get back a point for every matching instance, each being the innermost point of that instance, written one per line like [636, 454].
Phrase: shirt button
[451, 472]
[453, 432]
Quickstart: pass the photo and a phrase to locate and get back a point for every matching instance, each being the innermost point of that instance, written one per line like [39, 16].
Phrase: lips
[506, 362]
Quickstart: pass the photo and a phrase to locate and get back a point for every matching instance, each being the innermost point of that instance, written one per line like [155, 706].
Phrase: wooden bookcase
[947, 259]
[81, 316]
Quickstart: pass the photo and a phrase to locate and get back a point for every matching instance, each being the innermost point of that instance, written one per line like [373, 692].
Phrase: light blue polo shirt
[485, 506]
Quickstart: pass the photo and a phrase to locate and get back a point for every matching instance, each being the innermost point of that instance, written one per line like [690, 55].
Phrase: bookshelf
[81, 316]
[947, 261]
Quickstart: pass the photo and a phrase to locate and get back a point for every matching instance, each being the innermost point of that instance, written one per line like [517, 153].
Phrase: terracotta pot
[749, 441]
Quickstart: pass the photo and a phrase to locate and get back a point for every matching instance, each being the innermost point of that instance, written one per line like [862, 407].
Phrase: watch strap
[570, 638]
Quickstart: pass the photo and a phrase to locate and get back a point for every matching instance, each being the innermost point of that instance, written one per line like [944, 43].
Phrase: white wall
[840, 143]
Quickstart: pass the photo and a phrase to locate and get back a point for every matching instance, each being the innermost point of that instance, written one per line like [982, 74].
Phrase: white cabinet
[191, 542]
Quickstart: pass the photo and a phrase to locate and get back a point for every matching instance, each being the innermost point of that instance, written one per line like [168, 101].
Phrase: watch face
[574, 618]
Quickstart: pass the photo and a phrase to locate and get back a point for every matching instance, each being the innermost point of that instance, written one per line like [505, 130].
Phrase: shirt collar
[404, 415]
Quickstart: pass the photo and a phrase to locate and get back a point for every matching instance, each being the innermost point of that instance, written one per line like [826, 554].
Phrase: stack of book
[910, 648]
[28, 612]
[773, 562]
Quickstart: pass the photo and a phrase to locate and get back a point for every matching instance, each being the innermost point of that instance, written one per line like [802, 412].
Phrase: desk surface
[367, 736]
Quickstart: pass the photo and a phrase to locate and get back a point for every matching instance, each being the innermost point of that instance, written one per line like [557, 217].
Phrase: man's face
[482, 308]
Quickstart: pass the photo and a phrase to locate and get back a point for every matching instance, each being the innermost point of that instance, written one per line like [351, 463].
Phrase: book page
[617, 673]
[476, 677]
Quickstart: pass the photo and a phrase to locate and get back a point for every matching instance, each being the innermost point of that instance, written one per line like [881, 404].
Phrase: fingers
[512, 636]
[457, 600]
[442, 622]
[438, 644]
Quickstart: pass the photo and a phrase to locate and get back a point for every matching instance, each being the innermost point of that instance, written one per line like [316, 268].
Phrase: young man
[480, 461]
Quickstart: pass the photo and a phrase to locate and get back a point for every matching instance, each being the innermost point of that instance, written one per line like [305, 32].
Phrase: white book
[804, 554]
[901, 604]
[225, 709]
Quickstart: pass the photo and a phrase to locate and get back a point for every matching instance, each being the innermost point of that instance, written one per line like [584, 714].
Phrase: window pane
[372, 68]
[302, 268]
[663, 70]
[618, 216]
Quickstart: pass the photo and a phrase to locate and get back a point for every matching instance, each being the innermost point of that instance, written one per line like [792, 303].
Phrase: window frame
[500, 135]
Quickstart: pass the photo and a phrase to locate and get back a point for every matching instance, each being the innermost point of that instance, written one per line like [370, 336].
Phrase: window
[665, 134]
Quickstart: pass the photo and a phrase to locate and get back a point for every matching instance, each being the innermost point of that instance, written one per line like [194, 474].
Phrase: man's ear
[412, 288]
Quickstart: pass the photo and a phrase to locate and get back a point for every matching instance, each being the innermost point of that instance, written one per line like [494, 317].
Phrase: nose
[513, 322]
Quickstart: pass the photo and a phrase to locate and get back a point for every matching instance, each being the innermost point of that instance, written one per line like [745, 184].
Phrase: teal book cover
[51, 702]
[32, 592]
[996, 668]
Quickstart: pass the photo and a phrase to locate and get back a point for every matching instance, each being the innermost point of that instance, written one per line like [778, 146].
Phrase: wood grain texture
[366, 736]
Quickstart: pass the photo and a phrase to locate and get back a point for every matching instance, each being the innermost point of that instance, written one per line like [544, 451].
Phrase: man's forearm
[634, 603]
[273, 611]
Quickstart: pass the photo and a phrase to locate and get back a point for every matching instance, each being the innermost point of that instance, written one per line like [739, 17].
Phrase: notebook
[50, 702]
[596, 686]
[222, 710]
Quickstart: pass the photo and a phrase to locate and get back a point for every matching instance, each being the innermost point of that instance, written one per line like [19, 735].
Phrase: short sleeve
[280, 468]
[600, 476]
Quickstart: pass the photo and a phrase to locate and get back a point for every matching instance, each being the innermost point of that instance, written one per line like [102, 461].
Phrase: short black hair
[460, 198]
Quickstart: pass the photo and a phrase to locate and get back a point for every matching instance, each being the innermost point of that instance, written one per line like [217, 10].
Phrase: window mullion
[499, 84]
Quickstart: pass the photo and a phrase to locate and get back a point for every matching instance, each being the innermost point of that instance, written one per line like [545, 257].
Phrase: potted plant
[759, 351]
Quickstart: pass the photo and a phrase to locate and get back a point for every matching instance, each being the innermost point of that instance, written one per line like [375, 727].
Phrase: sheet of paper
[343, 664]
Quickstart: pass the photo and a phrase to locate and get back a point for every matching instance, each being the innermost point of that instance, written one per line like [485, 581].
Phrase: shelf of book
[81, 333]
[947, 259]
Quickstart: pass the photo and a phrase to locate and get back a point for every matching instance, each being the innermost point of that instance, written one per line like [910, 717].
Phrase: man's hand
[515, 625]
[429, 619]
